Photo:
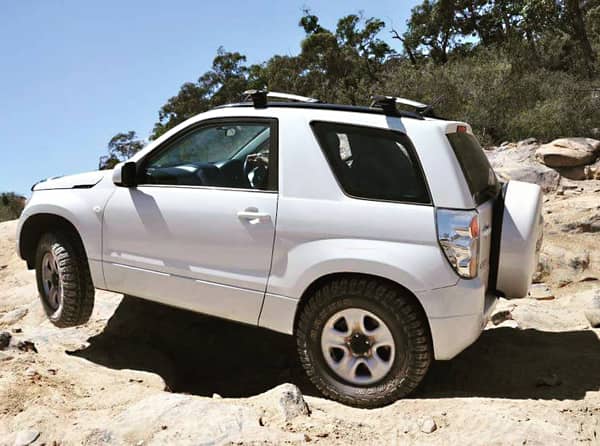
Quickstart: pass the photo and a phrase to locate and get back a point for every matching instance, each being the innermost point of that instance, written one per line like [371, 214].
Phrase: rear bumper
[457, 316]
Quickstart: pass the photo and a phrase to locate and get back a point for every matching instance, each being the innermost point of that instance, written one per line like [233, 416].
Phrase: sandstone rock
[540, 291]
[27, 346]
[13, 316]
[569, 152]
[291, 402]
[428, 426]
[500, 316]
[509, 323]
[592, 313]
[580, 262]
[527, 142]
[592, 171]
[191, 421]
[5, 337]
[26, 437]
[512, 163]
[590, 224]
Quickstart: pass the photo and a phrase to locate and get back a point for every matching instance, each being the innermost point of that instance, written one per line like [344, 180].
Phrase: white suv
[378, 238]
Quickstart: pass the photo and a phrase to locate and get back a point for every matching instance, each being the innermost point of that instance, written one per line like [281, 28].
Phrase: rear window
[475, 166]
[370, 163]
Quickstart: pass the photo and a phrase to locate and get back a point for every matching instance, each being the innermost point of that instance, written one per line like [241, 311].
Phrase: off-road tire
[77, 290]
[409, 328]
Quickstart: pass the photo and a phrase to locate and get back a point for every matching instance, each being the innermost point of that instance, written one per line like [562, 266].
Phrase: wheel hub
[51, 281]
[360, 344]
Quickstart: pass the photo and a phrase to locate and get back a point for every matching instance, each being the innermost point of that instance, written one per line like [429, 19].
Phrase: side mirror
[125, 174]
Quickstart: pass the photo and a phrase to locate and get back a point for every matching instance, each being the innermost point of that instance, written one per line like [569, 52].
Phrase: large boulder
[517, 162]
[569, 152]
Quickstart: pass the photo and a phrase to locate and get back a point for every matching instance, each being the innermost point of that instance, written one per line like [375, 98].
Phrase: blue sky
[73, 73]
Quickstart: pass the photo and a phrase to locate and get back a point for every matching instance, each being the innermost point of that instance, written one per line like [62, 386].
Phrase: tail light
[458, 234]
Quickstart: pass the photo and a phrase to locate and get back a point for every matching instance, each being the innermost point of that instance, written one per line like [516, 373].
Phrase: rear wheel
[63, 280]
[363, 342]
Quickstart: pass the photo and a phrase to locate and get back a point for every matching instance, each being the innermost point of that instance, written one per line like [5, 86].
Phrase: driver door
[198, 230]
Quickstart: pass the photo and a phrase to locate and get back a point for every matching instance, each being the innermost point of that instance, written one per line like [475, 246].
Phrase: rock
[5, 357]
[101, 437]
[592, 172]
[568, 152]
[5, 337]
[500, 316]
[27, 346]
[31, 372]
[540, 291]
[26, 437]
[592, 313]
[591, 224]
[581, 262]
[527, 142]
[191, 420]
[13, 316]
[543, 176]
[216, 396]
[510, 323]
[579, 173]
[291, 402]
[428, 426]
[543, 269]
[520, 164]
[548, 381]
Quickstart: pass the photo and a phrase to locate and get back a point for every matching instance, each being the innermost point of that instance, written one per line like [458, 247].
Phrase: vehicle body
[258, 246]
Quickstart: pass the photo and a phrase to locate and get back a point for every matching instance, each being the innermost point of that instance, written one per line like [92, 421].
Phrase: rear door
[484, 187]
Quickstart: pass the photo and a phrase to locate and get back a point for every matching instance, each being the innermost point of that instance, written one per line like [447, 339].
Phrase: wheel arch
[37, 225]
[321, 281]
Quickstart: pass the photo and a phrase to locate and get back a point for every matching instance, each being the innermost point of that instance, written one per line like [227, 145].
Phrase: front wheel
[63, 280]
[363, 343]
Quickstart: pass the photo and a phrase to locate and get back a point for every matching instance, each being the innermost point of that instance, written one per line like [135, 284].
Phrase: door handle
[253, 215]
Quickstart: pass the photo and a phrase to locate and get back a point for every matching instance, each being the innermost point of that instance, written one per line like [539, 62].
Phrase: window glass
[233, 155]
[372, 163]
[475, 166]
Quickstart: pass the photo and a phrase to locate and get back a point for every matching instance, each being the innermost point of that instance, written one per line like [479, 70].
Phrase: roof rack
[388, 105]
[260, 97]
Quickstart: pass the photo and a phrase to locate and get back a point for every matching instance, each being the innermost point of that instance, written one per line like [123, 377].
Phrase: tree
[575, 15]
[228, 78]
[342, 65]
[433, 30]
[121, 147]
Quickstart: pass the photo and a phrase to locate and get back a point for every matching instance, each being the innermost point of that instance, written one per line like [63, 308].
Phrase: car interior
[246, 168]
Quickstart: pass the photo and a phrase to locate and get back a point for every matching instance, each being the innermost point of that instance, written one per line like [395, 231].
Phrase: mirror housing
[125, 174]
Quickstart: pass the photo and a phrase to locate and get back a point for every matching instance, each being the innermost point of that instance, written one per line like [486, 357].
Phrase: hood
[78, 181]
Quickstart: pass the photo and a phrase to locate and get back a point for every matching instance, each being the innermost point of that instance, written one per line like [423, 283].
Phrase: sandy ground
[142, 373]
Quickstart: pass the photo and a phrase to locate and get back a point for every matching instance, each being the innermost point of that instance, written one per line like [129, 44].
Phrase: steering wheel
[256, 168]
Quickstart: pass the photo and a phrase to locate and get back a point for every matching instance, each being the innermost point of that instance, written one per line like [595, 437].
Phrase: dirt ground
[534, 379]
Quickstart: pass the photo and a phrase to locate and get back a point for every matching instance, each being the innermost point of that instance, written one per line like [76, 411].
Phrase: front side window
[372, 163]
[229, 155]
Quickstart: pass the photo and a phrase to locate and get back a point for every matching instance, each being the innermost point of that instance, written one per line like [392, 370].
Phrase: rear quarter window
[375, 164]
[475, 166]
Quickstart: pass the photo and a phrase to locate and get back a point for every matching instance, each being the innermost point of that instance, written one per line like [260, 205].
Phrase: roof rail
[388, 105]
[260, 97]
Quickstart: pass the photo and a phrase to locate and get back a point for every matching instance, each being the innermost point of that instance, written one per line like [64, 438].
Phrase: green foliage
[121, 147]
[512, 69]
[11, 206]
